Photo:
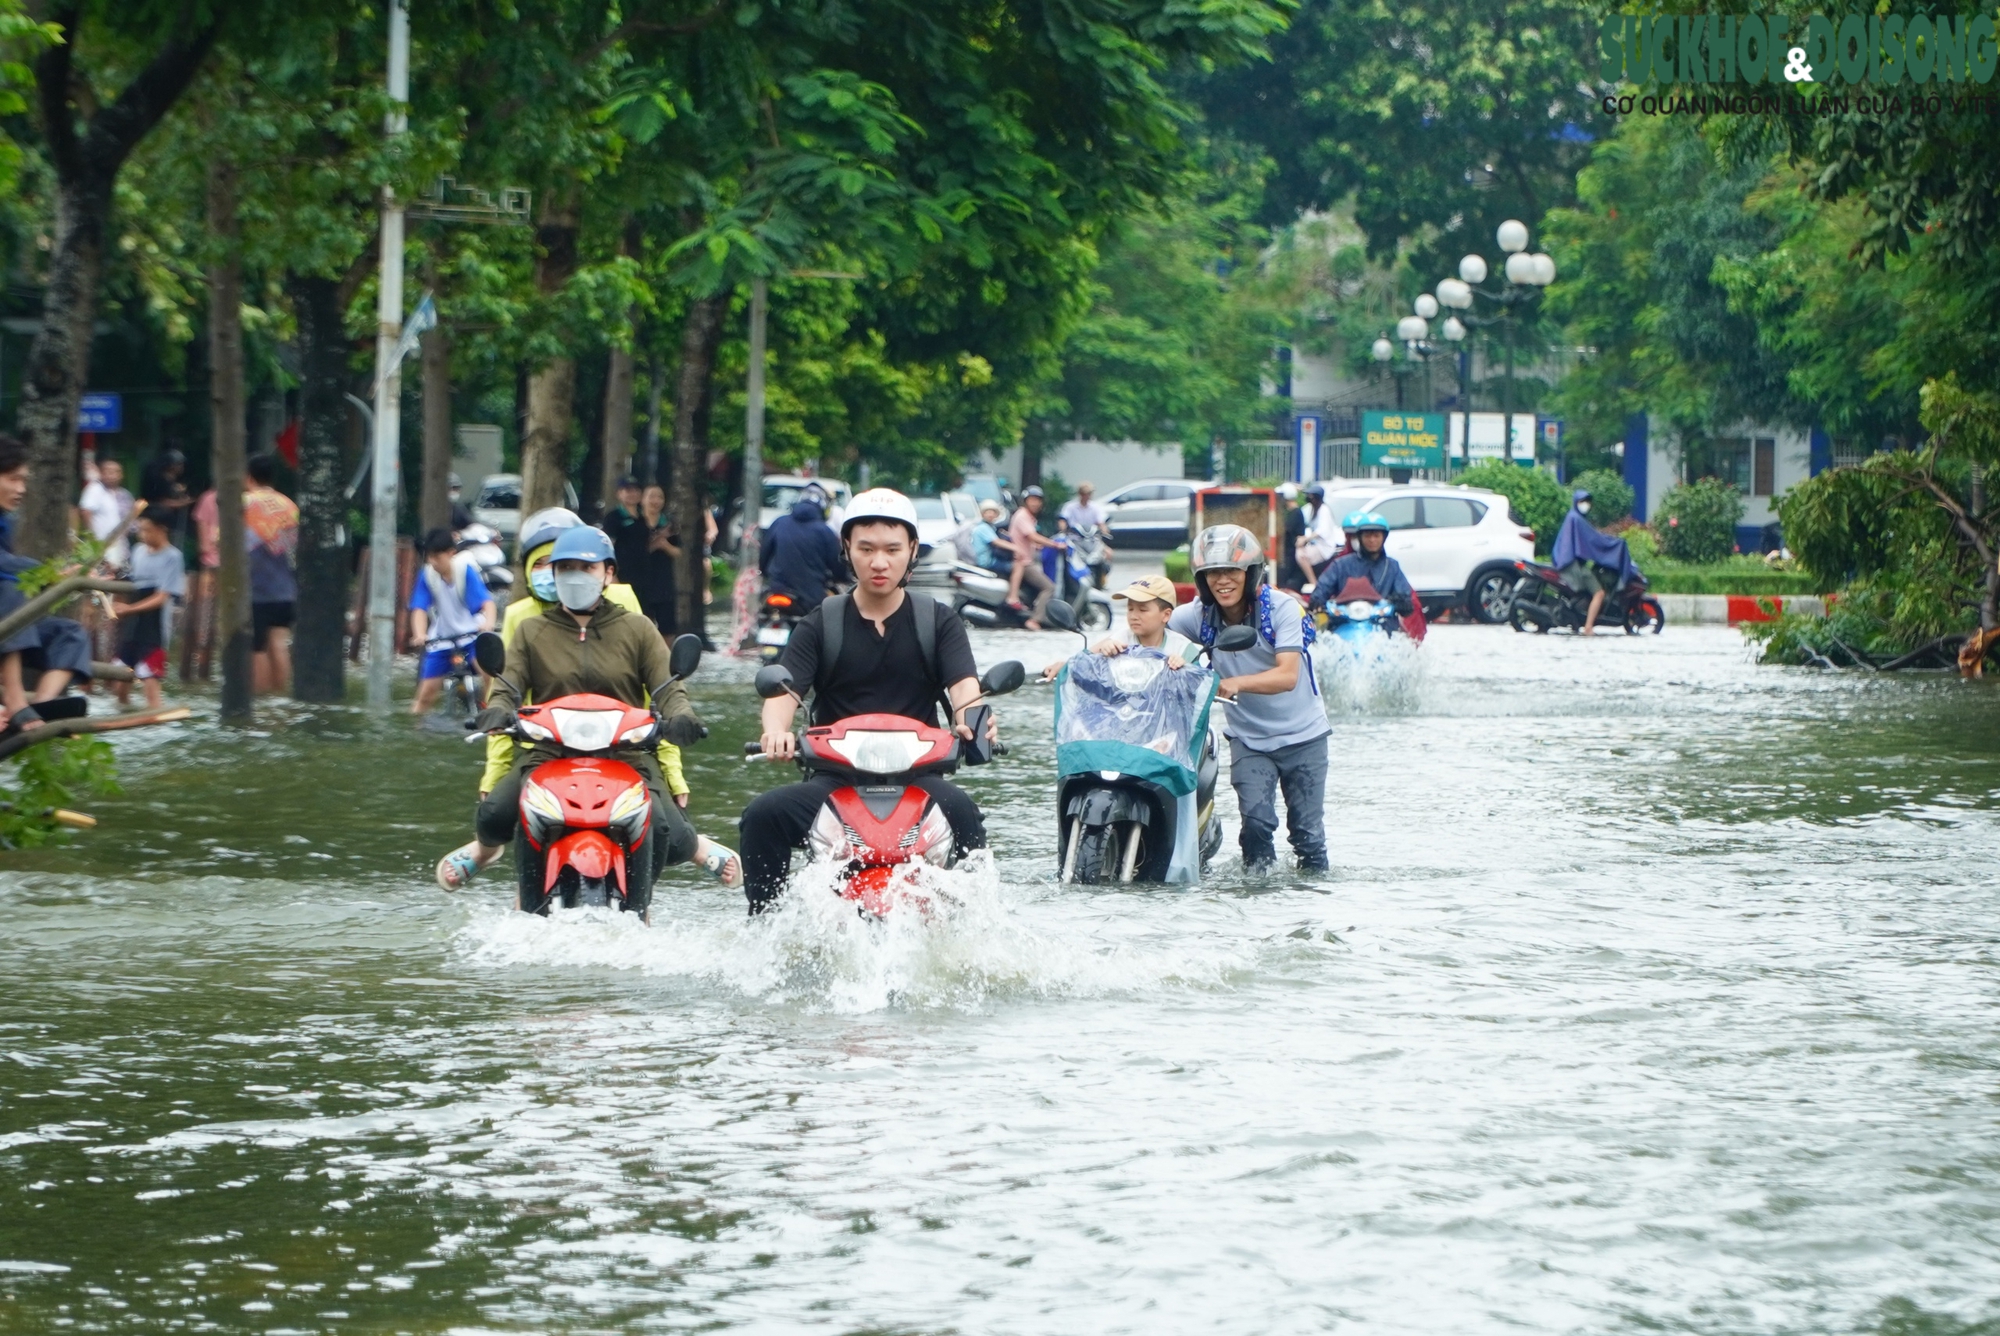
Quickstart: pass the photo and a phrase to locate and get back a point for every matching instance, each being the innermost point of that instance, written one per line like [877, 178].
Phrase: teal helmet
[1361, 521]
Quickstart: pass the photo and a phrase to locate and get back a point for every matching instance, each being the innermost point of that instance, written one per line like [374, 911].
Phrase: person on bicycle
[448, 608]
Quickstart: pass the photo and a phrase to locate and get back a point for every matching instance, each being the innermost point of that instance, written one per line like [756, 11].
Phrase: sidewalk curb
[1734, 609]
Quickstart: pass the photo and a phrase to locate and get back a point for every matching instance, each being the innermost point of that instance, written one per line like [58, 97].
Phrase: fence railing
[1270, 462]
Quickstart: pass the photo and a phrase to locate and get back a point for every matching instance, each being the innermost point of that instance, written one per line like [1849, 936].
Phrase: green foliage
[50, 775]
[1697, 521]
[1636, 262]
[1438, 120]
[1610, 496]
[1179, 567]
[1536, 498]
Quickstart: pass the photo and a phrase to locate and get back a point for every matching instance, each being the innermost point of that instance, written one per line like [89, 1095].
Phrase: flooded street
[1650, 990]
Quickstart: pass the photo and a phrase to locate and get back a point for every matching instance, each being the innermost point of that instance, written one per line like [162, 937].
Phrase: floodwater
[1650, 991]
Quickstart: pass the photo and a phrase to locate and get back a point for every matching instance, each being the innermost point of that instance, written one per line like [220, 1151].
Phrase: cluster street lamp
[1526, 273]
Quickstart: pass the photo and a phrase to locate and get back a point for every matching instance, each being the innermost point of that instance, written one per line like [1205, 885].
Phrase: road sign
[1402, 440]
[101, 412]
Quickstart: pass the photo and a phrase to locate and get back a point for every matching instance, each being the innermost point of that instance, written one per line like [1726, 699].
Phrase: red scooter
[586, 833]
[875, 827]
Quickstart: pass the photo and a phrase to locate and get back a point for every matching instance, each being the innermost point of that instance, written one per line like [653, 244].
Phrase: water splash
[978, 941]
[1386, 675]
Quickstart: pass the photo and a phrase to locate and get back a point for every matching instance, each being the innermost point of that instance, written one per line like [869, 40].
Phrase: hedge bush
[1537, 499]
[1697, 521]
[1610, 497]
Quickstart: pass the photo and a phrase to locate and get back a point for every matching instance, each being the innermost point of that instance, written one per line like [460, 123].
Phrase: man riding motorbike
[887, 661]
[1368, 530]
[579, 632]
[1276, 725]
[799, 554]
[1581, 548]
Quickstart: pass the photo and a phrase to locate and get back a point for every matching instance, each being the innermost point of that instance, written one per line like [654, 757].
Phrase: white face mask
[579, 590]
[1583, 507]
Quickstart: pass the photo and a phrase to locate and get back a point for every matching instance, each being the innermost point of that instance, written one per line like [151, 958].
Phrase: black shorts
[264, 616]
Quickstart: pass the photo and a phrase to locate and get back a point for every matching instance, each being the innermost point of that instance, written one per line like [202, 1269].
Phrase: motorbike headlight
[541, 810]
[533, 730]
[639, 734]
[828, 838]
[1359, 611]
[934, 838]
[629, 812]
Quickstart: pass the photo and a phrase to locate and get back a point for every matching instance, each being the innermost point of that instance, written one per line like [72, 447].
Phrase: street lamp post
[1526, 275]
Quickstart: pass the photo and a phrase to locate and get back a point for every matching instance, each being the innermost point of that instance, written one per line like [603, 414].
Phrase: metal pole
[753, 411]
[388, 392]
[1507, 406]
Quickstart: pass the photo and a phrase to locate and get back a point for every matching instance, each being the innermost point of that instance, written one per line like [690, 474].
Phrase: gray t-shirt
[1265, 723]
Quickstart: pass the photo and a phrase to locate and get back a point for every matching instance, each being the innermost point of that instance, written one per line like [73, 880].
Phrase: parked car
[938, 521]
[1152, 512]
[498, 504]
[1456, 545]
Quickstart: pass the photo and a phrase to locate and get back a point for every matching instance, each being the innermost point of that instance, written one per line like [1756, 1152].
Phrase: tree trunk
[656, 391]
[227, 414]
[435, 510]
[318, 670]
[700, 337]
[552, 387]
[86, 153]
[58, 366]
[617, 422]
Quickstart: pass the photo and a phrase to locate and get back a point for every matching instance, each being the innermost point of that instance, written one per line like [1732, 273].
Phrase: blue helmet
[582, 543]
[1362, 520]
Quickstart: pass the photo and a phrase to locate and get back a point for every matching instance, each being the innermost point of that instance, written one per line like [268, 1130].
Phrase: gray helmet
[545, 526]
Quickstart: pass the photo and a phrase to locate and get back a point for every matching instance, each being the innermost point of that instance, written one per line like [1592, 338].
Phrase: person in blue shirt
[449, 607]
[1368, 560]
[799, 554]
[989, 549]
[55, 649]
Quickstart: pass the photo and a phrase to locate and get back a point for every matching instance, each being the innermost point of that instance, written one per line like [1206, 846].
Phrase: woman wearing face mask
[606, 639]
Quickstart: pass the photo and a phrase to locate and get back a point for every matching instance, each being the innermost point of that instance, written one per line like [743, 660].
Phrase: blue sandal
[456, 869]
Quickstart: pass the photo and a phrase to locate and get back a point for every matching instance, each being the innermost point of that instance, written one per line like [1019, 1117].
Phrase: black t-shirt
[880, 672]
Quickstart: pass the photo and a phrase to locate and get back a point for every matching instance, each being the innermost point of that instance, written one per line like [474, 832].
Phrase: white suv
[1457, 545]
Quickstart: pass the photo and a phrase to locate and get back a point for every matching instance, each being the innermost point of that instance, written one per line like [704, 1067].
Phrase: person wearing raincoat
[1581, 548]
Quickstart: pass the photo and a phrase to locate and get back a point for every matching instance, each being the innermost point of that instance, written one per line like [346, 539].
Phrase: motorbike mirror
[489, 651]
[774, 680]
[1236, 639]
[1002, 678]
[685, 656]
[1060, 614]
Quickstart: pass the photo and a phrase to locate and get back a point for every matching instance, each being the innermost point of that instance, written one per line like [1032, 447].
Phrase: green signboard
[1402, 440]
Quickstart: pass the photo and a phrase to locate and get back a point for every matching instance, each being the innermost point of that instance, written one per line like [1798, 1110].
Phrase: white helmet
[876, 505]
[545, 526]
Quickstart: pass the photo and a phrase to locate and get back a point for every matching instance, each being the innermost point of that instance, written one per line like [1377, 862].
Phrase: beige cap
[1156, 587]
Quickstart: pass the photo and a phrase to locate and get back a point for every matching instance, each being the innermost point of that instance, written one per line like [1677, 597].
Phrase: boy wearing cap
[1149, 602]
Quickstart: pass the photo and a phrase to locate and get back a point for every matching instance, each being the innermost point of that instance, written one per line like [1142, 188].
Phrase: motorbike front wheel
[1093, 615]
[1645, 615]
[1094, 855]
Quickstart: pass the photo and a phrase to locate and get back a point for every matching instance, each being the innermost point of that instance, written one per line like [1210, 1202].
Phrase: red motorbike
[586, 833]
[878, 828]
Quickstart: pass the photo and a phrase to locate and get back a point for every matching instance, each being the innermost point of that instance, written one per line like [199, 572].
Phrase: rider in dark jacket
[1366, 560]
[800, 554]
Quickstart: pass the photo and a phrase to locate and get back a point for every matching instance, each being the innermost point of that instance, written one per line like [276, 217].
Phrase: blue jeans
[1299, 771]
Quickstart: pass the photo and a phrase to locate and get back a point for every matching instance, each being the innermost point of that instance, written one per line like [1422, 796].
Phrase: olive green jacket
[615, 653]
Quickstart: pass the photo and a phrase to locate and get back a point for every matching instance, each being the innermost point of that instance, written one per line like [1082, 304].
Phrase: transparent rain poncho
[1135, 715]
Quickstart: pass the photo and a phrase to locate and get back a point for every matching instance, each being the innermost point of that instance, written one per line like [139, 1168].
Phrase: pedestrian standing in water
[646, 560]
[1275, 722]
[145, 625]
